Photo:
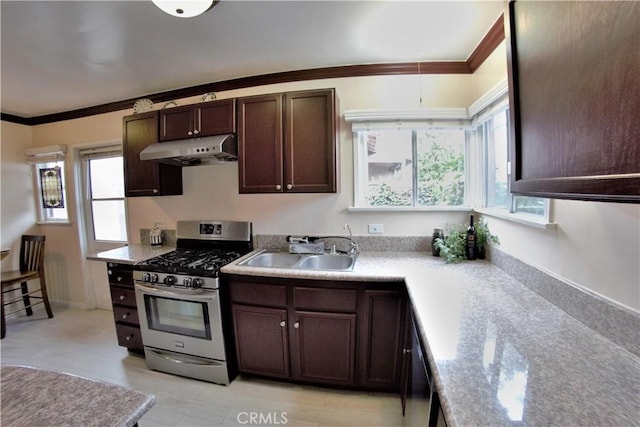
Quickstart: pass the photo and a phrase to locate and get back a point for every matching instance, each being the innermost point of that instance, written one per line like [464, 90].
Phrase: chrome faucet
[353, 249]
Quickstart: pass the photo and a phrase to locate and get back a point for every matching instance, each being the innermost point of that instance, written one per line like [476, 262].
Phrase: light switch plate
[376, 229]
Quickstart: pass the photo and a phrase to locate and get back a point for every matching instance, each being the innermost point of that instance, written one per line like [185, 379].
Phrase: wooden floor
[84, 343]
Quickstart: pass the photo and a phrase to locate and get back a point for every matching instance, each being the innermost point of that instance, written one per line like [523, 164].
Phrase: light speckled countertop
[130, 254]
[500, 354]
[37, 397]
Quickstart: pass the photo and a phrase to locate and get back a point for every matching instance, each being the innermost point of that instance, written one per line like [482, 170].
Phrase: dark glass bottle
[437, 234]
[470, 248]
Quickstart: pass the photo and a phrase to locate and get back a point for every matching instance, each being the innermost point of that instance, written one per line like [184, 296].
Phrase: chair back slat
[32, 252]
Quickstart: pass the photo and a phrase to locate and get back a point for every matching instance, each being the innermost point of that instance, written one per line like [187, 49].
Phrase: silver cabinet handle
[278, 187]
[122, 297]
[283, 323]
[195, 132]
[124, 316]
[190, 133]
[155, 191]
[289, 186]
[296, 325]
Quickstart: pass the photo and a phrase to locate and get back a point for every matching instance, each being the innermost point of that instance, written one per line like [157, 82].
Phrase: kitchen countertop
[130, 254]
[500, 354]
[38, 397]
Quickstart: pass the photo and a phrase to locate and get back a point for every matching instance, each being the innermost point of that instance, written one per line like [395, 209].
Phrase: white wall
[596, 244]
[17, 210]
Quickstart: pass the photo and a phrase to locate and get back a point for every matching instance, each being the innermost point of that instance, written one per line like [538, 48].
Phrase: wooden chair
[31, 267]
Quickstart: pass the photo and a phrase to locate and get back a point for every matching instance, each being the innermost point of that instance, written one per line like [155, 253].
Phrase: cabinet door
[262, 344]
[144, 177]
[215, 117]
[260, 144]
[382, 322]
[310, 142]
[575, 104]
[176, 123]
[323, 347]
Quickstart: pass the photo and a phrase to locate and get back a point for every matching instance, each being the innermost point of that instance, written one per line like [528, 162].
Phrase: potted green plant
[452, 246]
[484, 237]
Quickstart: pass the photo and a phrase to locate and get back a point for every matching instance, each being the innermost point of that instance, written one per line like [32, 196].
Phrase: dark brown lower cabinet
[262, 344]
[125, 311]
[323, 347]
[345, 334]
[382, 323]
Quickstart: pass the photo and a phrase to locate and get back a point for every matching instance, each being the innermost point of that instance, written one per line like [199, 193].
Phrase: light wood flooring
[84, 343]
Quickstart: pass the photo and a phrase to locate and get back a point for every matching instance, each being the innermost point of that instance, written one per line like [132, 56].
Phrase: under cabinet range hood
[191, 152]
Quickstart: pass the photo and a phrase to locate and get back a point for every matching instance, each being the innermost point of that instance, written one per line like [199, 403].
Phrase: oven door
[184, 323]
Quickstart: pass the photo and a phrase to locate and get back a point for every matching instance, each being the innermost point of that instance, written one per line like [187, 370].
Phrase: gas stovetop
[192, 262]
[202, 248]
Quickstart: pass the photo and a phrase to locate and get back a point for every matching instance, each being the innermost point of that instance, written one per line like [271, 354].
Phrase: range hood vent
[192, 152]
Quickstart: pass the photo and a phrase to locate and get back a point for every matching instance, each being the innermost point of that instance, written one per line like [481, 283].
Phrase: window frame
[483, 113]
[370, 120]
[84, 155]
[45, 218]
[475, 155]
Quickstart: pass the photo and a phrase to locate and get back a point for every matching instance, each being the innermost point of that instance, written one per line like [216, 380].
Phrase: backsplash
[365, 243]
[614, 321]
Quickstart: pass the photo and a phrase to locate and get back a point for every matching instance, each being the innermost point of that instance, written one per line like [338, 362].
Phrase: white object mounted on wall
[185, 8]
[51, 153]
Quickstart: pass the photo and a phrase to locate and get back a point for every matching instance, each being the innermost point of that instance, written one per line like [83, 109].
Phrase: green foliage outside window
[440, 172]
[440, 176]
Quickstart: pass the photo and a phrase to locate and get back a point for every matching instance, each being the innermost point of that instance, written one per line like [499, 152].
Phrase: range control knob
[153, 278]
[146, 277]
[169, 280]
[197, 283]
[187, 282]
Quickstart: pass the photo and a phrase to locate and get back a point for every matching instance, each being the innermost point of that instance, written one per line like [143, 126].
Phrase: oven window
[176, 316]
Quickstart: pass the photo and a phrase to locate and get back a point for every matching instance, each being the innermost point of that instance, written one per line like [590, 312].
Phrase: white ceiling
[63, 55]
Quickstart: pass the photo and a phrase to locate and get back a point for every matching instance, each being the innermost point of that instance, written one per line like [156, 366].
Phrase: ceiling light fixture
[185, 8]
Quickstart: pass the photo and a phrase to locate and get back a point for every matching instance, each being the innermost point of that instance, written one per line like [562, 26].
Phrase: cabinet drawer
[122, 296]
[126, 315]
[259, 294]
[325, 299]
[129, 336]
[118, 276]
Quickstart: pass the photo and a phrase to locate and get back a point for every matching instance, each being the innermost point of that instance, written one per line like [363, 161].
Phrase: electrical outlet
[376, 229]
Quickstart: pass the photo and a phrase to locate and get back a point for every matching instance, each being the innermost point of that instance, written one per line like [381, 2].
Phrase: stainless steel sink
[276, 259]
[273, 259]
[328, 262]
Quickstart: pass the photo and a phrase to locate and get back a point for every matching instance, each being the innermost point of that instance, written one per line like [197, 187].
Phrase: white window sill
[409, 209]
[53, 222]
[530, 220]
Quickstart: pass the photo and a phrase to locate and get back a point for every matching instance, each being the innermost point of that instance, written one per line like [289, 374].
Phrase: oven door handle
[208, 296]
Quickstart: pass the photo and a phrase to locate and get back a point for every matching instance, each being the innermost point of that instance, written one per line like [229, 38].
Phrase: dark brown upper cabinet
[287, 142]
[197, 120]
[574, 78]
[145, 177]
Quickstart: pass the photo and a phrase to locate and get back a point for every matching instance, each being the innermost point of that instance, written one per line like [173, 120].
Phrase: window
[410, 167]
[493, 132]
[412, 160]
[449, 158]
[50, 184]
[104, 208]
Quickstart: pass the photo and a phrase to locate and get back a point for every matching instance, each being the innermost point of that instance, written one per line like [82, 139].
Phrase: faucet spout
[353, 249]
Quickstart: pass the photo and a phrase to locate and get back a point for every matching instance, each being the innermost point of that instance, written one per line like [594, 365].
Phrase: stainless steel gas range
[178, 297]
